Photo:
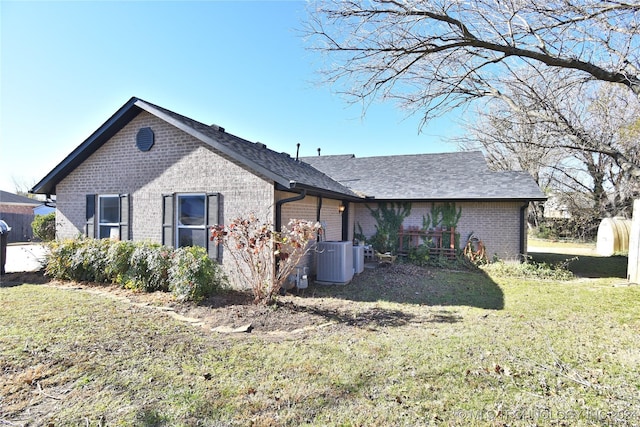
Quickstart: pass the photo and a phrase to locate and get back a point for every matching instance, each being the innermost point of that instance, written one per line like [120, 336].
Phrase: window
[186, 218]
[107, 216]
[191, 224]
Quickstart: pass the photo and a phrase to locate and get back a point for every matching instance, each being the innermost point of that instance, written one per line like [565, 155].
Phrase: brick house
[493, 205]
[149, 174]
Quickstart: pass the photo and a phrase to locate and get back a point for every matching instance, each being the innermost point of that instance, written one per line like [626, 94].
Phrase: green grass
[588, 266]
[560, 244]
[441, 348]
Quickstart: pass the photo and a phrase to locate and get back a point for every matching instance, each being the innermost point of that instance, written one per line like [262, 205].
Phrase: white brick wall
[308, 208]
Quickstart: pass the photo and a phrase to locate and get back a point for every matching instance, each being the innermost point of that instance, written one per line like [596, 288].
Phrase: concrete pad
[24, 258]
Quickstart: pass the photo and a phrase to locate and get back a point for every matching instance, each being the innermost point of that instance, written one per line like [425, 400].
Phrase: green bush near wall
[44, 227]
[188, 273]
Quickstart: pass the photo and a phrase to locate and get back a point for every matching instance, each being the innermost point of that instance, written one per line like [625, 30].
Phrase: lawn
[398, 346]
[584, 260]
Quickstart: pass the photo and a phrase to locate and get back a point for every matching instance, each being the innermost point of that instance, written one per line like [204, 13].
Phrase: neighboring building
[18, 212]
[150, 174]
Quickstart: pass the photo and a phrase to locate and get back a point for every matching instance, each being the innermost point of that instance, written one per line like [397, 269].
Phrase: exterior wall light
[341, 208]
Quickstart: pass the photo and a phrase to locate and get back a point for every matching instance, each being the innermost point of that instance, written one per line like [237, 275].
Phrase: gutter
[523, 232]
[279, 204]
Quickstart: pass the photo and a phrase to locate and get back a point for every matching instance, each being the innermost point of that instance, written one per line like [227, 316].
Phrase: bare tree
[436, 55]
[505, 138]
[22, 185]
[581, 142]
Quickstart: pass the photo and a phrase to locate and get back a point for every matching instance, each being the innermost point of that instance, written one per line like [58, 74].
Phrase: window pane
[192, 237]
[109, 232]
[191, 210]
[110, 210]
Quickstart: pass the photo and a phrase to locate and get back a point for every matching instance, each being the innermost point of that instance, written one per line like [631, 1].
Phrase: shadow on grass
[587, 266]
[375, 316]
[16, 279]
[407, 284]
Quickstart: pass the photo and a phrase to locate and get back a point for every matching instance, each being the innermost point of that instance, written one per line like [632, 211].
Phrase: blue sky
[66, 67]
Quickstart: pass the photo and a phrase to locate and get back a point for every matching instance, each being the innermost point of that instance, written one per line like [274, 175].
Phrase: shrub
[254, 246]
[193, 275]
[149, 268]
[119, 262]
[60, 260]
[530, 270]
[44, 227]
[187, 272]
[90, 260]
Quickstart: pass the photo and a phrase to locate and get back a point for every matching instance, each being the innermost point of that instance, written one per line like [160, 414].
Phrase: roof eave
[453, 199]
[317, 191]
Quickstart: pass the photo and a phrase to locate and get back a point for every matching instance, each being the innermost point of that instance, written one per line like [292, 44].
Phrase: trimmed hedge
[188, 273]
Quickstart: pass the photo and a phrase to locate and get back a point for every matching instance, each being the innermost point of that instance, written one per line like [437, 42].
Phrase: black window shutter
[168, 207]
[90, 227]
[213, 215]
[125, 215]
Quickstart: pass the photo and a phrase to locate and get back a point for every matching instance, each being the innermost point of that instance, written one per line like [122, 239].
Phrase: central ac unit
[334, 263]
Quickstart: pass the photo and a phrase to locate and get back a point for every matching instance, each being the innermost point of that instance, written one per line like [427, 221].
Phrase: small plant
[255, 247]
[44, 227]
[419, 255]
[359, 234]
[388, 222]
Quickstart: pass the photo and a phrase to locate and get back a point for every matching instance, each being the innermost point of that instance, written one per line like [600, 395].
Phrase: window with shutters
[107, 216]
[186, 219]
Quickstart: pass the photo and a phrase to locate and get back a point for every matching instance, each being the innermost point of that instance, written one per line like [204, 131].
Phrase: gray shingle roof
[16, 199]
[279, 167]
[442, 176]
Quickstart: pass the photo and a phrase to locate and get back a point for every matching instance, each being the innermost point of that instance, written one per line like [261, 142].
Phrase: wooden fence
[20, 224]
[441, 242]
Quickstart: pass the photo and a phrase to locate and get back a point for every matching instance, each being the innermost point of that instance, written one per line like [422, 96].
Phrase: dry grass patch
[399, 346]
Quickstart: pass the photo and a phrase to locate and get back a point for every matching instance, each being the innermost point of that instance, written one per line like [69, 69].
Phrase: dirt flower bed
[234, 312]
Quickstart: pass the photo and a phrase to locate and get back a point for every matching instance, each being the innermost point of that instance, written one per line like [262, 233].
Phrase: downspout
[279, 204]
[278, 226]
[319, 209]
[523, 232]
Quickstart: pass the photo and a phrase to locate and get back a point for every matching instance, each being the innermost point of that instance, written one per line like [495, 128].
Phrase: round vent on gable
[144, 139]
